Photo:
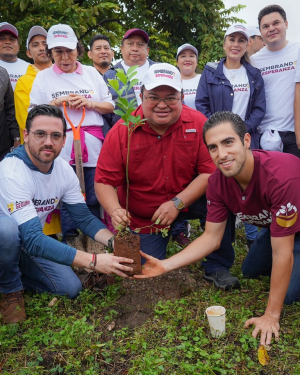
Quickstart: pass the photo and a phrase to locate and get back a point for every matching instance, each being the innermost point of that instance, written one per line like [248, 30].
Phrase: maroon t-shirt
[271, 199]
[160, 167]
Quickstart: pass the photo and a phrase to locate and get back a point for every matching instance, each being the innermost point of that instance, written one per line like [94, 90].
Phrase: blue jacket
[112, 118]
[215, 94]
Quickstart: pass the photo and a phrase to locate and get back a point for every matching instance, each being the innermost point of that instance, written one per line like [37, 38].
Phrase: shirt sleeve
[217, 211]
[84, 219]
[15, 200]
[21, 102]
[36, 243]
[285, 204]
[37, 94]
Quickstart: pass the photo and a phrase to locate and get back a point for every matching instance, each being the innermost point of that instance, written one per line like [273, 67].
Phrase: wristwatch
[17, 139]
[110, 242]
[178, 203]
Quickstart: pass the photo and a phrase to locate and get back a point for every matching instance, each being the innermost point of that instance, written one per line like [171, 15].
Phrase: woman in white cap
[187, 61]
[234, 85]
[79, 86]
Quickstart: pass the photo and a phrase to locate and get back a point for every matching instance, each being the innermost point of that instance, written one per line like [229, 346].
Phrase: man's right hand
[108, 263]
[152, 268]
[119, 218]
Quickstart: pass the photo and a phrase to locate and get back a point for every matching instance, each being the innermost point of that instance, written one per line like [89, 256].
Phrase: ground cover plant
[150, 327]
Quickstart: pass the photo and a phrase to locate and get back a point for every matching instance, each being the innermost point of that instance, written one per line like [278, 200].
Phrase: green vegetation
[77, 337]
[169, 24]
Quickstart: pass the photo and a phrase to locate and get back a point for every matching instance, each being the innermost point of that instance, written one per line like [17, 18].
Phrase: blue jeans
[68, 227]
[259, 263]
[19, 270]
[251, 231]
[156, 245]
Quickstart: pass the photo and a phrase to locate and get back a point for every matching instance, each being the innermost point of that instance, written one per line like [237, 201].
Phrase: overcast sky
[250, 13]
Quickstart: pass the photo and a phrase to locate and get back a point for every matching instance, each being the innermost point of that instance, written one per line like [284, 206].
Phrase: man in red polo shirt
[169, 167]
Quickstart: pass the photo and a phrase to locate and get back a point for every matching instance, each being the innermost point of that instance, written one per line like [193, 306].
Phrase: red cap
[7, 27]
[140, 32]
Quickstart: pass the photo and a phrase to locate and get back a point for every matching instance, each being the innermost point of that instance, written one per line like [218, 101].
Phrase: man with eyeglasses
[169, 167]
[33, 181]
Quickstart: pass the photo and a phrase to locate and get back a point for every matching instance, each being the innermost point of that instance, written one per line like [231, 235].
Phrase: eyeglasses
[156, 100]
[41, 136]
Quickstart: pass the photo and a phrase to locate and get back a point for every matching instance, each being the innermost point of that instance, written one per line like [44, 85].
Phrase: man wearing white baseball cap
[9, 48]
[169, 165]
[36, 50]
[255, 42]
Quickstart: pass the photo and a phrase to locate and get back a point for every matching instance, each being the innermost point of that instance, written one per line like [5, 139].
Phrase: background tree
[168, 23]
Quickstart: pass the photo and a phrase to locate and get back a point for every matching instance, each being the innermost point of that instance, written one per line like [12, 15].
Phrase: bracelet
[91, 106]
[119, 208]
[93, 263]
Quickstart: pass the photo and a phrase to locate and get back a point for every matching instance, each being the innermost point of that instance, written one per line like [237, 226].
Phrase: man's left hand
[166, 213]
[267, 325]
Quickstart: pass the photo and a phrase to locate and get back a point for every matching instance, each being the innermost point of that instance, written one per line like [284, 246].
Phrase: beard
[104, 64]
[37, 154]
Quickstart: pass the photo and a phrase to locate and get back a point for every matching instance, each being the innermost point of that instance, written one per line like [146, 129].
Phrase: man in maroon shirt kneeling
[262, 188]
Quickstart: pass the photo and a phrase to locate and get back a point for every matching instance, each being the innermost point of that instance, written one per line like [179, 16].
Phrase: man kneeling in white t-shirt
[33, 181]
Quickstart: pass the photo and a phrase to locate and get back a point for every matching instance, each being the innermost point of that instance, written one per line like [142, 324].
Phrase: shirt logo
[287, 216]
[12, 207]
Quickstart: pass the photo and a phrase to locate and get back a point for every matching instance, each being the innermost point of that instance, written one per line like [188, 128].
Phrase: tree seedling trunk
[126, 243]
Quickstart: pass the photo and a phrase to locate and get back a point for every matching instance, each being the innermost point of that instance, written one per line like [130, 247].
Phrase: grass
[72, 336]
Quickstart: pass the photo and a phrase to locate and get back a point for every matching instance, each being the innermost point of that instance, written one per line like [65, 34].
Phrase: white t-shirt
[141, 72]
[49, 85]
[15, 70]
[278, 70]
[190, 89]
[26, 193]
[239, 81]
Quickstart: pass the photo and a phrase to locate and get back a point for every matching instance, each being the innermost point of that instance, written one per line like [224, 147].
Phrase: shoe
[12, 307]
[181, 239]
[222, 279]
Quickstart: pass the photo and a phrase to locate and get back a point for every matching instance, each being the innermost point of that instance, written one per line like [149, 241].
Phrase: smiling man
[169, 168]
[135, 51]
[277, 62]
[257, 187]
[101, 53]
[33, 181]
[36, 50]
[9, 49]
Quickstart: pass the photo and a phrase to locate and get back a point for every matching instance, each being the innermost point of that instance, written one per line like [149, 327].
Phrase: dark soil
[140, 296]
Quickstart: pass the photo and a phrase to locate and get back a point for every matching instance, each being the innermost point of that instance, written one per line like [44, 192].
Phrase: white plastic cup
[216, 320]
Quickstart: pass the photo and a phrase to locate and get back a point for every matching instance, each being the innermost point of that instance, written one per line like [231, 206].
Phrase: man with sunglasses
[33, 181]
[169, 167]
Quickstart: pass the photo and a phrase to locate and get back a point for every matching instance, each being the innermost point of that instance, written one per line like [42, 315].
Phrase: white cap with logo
[253, 30]
[162, 75]
[237, 28]
[34, 31]
[61, 36]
